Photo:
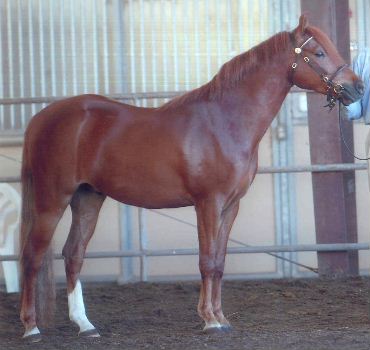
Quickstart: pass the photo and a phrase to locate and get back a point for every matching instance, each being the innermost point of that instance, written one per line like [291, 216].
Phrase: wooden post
[333, 193]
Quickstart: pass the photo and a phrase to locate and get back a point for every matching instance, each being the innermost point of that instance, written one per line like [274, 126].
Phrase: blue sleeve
[360, 66]
[354, 110]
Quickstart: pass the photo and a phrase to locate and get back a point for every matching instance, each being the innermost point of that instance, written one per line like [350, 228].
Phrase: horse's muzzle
[352, 92]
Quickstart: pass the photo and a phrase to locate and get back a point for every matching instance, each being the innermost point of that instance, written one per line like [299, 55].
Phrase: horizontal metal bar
[13, 139]
[320, 168]
[334, 247]
[10, 179]
[127, 96]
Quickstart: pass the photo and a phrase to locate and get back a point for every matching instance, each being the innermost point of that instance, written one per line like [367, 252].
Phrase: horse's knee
[31, 258]
[72, 263]
[211, 267]
[219, 268]
[206, 267]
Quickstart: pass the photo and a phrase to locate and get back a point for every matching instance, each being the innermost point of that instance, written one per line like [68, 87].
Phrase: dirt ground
[295, 314]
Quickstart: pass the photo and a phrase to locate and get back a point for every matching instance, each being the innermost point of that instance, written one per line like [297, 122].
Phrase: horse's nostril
[360, 87]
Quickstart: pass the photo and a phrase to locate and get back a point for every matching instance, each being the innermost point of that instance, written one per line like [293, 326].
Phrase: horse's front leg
[213, 229]
[228, 218]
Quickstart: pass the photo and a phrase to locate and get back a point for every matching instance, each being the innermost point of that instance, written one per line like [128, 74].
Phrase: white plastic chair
[10, 208]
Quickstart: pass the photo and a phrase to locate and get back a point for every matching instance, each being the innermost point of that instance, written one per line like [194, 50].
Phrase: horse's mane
[234, 71]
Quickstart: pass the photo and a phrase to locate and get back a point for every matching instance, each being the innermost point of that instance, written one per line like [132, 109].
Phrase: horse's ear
[303, 24]
[301, 28]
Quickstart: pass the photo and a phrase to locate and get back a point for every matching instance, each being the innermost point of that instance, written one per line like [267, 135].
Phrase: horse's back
[55, 135]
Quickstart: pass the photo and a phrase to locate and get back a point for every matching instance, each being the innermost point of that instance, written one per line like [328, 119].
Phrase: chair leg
[10, 268]
[11, 275]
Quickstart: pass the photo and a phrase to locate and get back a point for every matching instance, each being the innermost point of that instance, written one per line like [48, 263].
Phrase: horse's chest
[244, 172]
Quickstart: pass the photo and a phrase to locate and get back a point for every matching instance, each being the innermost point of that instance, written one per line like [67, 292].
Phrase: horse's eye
[319, 54]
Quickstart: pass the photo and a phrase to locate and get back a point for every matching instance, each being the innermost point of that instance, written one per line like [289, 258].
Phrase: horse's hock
[9, 223]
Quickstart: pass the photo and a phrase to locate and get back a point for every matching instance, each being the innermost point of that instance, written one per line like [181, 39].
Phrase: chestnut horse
[199, 149]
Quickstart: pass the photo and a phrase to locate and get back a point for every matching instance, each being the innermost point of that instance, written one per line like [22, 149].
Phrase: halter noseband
[334, 90]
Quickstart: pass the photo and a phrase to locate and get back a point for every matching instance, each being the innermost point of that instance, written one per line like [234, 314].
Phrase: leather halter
[334, 90]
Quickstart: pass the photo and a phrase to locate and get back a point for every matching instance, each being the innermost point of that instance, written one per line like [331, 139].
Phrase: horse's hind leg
[35, 245]
[85, 205]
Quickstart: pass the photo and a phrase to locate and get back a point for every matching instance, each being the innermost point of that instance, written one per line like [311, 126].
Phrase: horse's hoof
[212, 329]
[32, 338]
[226, 328]
[91, 333]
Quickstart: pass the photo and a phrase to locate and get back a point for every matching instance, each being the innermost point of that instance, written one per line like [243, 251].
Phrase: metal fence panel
[63, 48]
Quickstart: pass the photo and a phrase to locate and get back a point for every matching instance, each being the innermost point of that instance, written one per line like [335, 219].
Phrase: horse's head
[318, 66]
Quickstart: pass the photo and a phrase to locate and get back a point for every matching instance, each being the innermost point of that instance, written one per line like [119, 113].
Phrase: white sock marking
[77, 311]
[212, 325]
[33, 331]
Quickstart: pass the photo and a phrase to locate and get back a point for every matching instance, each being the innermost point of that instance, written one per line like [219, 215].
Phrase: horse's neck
[257, 100]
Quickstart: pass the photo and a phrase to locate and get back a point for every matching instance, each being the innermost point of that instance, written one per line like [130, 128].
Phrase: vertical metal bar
[262, 26]
[142, 51]
[126, 230]
[279, 158]
[73, 46]
[21, 62]
[208, 39]
[175, 49]
[196, 41]
[41, 48]
[289, 21]
[154, 52]
[19, 71]
[229, 30]
[361, 22]
[2, 126]
[31, 53]
[132, 47]
[10, 61]
[120, 67]
[106, 49]
[186, 44]
[240, 25]
[83, 43]
[63, 49]
[367, 24]
[251, 29]
[164, 19]
[279, 10]
[218, 7]
[95, 41]
[52, 47]
[366, 10]
[143, 245]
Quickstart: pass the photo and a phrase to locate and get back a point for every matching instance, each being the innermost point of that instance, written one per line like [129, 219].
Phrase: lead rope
[342, 135]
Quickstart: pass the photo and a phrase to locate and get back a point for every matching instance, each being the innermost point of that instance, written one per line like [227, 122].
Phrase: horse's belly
[152, 202]
[145, 190]
[151, 199]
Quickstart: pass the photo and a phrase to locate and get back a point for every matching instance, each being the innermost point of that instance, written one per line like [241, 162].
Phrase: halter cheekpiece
[334, 90]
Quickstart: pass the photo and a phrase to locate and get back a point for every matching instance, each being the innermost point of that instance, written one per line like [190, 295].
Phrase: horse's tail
[45, 287]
